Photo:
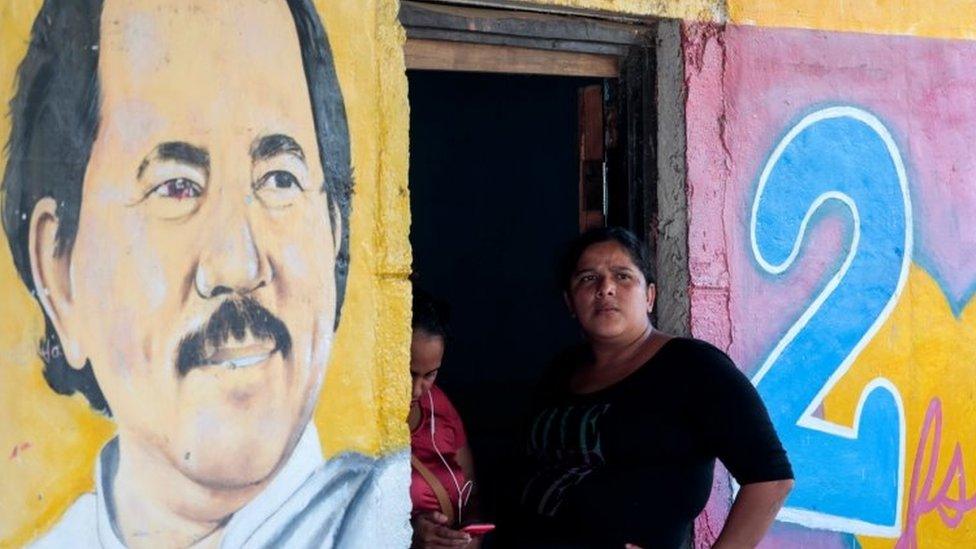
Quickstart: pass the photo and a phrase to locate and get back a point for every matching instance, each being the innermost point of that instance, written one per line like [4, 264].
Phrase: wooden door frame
[639, 58]
[514, 24]
[620, 52]
[530, 6]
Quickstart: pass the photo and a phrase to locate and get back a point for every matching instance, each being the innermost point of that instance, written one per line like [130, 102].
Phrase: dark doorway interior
[494, 199]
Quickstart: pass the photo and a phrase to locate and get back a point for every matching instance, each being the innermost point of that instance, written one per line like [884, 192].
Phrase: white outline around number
[807, 420]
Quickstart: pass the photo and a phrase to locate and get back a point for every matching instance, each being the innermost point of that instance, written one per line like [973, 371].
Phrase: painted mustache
[237, 318]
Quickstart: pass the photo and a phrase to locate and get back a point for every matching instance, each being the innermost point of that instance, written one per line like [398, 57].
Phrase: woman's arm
[747, 444]
[752, 513]
[466, 462]
[433, 530]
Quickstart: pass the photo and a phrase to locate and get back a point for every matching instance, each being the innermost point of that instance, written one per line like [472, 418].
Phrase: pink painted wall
[747, 88]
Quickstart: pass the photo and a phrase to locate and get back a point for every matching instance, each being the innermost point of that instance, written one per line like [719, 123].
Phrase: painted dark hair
[54, 121]
[627, 240]
[430, 314]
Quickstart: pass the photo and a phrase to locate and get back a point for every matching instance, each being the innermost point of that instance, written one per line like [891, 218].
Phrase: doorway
[493, 198]
[524, 130]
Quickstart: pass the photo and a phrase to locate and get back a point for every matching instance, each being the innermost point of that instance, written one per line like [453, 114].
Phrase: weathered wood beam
[462, 56]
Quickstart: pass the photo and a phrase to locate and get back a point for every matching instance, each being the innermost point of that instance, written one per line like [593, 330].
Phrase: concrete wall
[945, 19]
[949, 19]
[861, 341]
[830, 190]
[48, 442]
[697, 10]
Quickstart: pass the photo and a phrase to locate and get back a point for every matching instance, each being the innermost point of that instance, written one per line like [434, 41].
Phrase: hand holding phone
[478, 529]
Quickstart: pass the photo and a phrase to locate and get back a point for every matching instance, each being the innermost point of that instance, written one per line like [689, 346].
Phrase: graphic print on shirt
[566, 440]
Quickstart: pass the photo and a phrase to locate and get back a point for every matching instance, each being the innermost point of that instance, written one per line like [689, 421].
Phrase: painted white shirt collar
[304, 461]
[348, 501]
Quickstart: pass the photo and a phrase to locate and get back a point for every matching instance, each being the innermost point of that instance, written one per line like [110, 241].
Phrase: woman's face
[609, 295]
[426, 353]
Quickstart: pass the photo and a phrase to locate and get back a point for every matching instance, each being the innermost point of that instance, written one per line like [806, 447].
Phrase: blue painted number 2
[849, 478]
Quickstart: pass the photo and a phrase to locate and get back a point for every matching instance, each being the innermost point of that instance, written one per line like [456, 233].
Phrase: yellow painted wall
[928, 354]
[943, 19]
[937, 19]
[703, 10]
[48, 442]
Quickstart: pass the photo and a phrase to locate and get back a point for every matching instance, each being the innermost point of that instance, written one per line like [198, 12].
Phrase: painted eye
[280, 180]
[278, 189]
[179, 188]
[174, 198]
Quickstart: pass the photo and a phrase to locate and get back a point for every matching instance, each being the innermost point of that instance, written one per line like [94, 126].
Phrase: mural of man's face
[201, 281]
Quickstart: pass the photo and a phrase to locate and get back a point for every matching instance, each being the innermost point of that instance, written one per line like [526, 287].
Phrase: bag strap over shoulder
[439, 492]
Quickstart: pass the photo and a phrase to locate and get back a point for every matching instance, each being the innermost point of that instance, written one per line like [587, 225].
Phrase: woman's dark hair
[430, 314]
[627, 240]
[54, 122]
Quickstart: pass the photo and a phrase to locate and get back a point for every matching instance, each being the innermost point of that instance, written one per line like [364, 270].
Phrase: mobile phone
[478, 529]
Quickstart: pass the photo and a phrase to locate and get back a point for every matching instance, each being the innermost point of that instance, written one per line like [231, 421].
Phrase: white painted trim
[807, 419]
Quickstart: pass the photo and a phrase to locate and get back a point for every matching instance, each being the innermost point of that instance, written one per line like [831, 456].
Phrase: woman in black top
[626, 428]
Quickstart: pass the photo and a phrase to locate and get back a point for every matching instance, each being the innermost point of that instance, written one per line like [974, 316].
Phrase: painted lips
[241, 356]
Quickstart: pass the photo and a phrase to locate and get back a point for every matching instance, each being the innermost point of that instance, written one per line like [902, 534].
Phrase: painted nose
[233, 262]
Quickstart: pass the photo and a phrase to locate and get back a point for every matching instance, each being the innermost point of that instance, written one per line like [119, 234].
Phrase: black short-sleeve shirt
[632, 463]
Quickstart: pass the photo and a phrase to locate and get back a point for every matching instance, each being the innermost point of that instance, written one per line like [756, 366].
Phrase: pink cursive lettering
[952, 505]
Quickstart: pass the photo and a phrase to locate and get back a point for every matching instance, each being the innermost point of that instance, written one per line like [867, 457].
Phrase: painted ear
[51, 273]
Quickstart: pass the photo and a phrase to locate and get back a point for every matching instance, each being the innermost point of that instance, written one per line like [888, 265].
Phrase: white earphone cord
[464, 492]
